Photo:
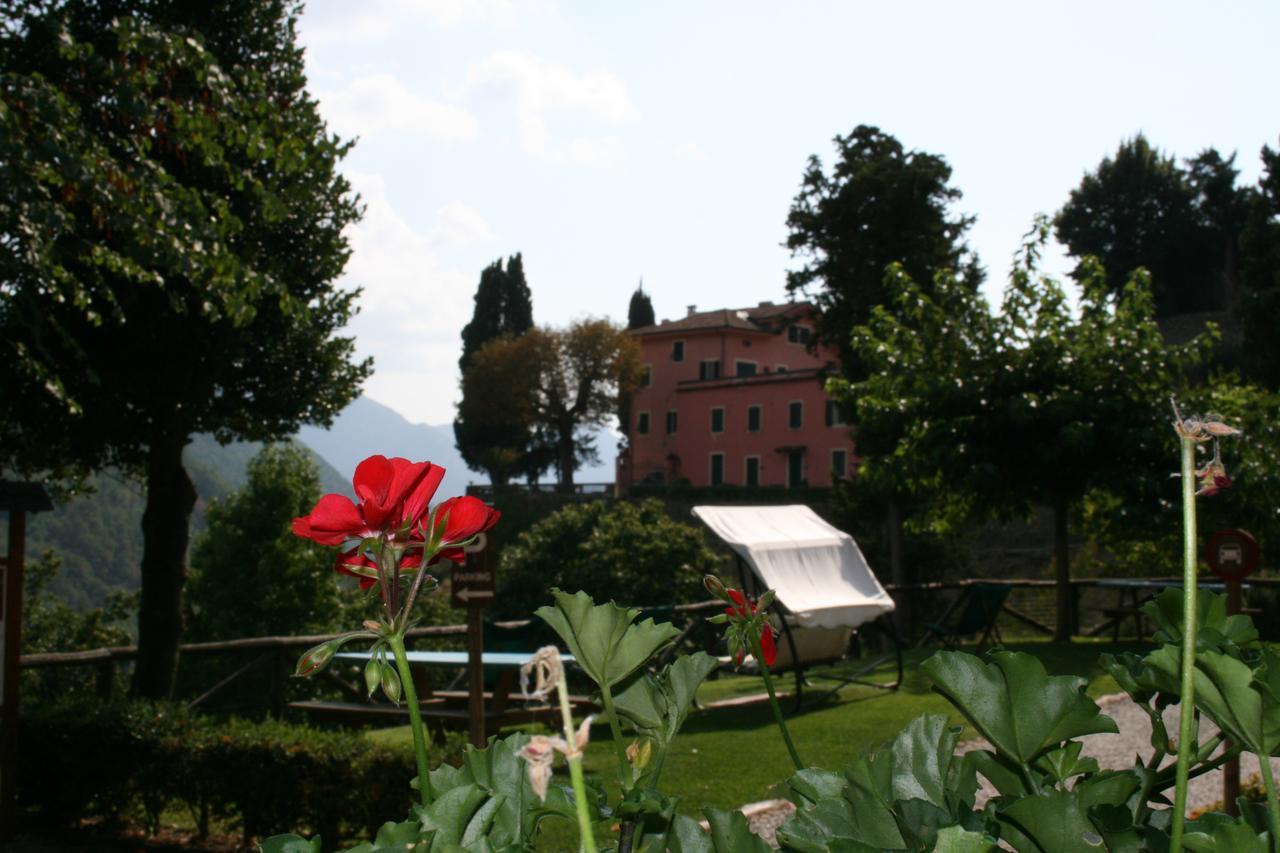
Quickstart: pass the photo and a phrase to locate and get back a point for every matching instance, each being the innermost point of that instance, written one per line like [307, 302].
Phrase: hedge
[269, 777]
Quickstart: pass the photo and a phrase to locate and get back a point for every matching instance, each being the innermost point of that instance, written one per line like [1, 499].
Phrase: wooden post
[10, 644]
[475, 676]
[1231, 770]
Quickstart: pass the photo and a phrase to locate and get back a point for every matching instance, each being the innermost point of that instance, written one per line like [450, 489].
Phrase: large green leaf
[957, 839]
[730, 833]
[1242, 702]
[603, 638]
[1058, 821]
[899, 798]
[1016, 705]
[656, 705]
[290, 844]
[1217, 833]
[512, 815]
[1215, 629]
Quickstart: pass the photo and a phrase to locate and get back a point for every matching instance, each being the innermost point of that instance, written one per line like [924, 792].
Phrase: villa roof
[764, 317]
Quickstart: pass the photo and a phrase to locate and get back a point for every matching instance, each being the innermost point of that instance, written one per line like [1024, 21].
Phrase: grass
[729, 756]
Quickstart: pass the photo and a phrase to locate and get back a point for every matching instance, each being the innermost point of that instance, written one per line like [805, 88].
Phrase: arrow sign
[473, 585]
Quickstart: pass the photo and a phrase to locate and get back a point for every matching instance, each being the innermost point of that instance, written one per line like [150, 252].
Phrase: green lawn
[726, 757]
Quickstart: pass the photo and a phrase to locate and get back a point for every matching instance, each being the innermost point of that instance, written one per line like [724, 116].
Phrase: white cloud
[691, 153]
[349, 23]
[412, 308]
[379, 103]
[459, 225]
[543, 90]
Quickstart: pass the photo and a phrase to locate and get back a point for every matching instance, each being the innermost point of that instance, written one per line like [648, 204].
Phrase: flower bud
[372, 625]
[316, 658]
[390, 683]
[372, 675]
[766, 600]
[714, 586]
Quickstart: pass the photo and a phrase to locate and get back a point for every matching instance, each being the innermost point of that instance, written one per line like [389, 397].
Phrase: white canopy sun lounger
[825, 590]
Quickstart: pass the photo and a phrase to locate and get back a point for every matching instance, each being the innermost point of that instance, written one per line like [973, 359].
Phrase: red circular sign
[1232, 554]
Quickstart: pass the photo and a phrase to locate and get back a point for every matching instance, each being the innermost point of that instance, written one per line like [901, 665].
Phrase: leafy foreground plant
[912, 794]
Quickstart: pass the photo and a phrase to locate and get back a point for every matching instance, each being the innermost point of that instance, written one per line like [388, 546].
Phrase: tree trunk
[564, 460]
[166, 530]
[1065, 624]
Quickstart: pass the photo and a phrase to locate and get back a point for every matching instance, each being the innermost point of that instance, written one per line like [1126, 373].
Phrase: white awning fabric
[817, 570]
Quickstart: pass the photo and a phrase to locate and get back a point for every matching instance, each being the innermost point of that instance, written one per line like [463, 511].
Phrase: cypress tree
[504, 306]
[640, 311]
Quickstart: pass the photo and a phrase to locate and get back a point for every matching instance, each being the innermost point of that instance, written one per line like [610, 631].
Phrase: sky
[665, 141]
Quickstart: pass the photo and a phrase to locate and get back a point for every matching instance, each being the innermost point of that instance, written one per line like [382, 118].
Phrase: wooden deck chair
[982, 603]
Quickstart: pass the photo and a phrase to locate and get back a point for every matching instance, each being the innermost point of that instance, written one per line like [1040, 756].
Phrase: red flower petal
[767, 646]
[465, 517]
[417, 497]
[333, 520]
[372, 482]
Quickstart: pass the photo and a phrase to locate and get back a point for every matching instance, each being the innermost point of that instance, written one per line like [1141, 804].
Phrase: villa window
[752, 472]
[717, 469]
[671, 422]
[677, 350]
[642, 423]
[835, 417]
[798, 334]
[839, 463]
[717, 419]
[646, 376]
[709, 369]
[795, 414]
[753, 418]
[745, 368]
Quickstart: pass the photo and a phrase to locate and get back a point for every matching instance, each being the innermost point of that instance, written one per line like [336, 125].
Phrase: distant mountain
[367, 427]
[98, 536]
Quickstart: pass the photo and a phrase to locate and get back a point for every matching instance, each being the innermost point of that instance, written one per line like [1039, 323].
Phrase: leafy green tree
[503, 306]
[172, 221]
[1037, 406]
[582, 371]
[640, 310]
[1141, 209]
[1260, 273]
[879, 204]
[250, 575]
[491, 436]
[631, 553]
[497, 410]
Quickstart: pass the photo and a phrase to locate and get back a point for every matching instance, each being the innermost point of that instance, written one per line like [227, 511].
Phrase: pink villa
[734, 397]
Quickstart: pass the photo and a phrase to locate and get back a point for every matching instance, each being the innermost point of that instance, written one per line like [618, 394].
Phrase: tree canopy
[503, 306]
[171, 225]
[879, 204]
[553, 384]
[632, 553]
[1141, 209]
[640, 309]
[1260, 273]
[251, 576]
[1035, 406]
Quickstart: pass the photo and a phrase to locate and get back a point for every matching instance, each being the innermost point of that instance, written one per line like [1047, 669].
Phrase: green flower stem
[1273, 805]
[773, 703]
[574, 759]
[624, 766]
[415, 717]
[1186, 720]
[1164, 782]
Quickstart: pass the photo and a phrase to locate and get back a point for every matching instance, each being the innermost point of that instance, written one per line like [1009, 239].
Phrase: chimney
[693, 309]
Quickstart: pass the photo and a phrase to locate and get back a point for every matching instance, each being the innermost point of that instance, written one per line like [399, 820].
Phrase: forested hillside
[98, 537]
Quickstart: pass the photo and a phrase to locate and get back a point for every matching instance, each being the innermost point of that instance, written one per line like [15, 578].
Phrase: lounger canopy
[819, 573]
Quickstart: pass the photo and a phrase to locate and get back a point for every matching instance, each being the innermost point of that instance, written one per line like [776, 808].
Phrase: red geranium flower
[350, 562]
[745, 608]
[393, 494]
[463, 519]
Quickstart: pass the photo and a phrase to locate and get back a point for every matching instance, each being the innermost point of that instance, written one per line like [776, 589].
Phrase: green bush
[631, 553]
[141, 759]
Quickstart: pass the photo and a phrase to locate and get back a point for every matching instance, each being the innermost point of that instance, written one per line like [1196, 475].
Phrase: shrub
[139, 759]
[632, 553]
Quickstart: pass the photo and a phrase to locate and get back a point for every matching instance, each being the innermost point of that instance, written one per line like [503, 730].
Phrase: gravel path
[1113, 751]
